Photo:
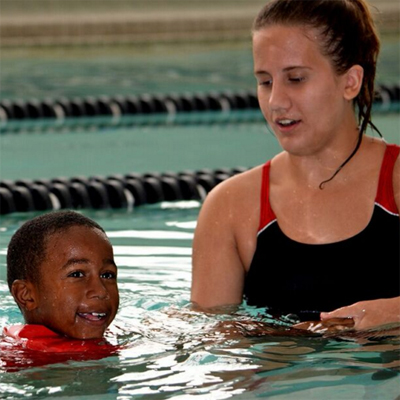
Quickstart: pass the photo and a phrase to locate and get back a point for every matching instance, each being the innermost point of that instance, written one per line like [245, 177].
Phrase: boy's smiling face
[76, 294]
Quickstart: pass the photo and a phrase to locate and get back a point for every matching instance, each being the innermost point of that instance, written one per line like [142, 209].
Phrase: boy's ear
[353, 83]
[24, 294]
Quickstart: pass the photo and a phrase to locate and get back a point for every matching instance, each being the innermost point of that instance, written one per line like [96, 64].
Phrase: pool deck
[72, 22]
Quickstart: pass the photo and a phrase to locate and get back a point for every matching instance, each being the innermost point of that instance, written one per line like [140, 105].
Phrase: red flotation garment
[35, 345]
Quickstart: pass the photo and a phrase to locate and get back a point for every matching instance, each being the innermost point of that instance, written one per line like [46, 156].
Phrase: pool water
[171, 352]
[42, 73]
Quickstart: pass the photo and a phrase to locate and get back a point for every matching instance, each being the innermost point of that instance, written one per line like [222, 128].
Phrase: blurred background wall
[72, 58]
[46, 22]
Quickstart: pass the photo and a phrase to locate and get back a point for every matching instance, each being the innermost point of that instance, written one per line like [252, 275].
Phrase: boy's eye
[76, 274]
[108, 275]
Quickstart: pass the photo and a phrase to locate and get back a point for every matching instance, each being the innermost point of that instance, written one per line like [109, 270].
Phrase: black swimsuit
[290, 277]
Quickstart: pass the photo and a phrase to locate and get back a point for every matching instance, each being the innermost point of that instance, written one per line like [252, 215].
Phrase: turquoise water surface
[171, 352]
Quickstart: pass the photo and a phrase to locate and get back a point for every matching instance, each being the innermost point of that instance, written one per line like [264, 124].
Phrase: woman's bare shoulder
[232, 211]
[240, 186]
[234, 200]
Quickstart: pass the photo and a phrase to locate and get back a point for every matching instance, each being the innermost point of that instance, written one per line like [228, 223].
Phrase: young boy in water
[61, 273]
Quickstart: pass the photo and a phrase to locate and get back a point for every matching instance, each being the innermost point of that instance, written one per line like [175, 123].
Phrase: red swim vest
[34, 345]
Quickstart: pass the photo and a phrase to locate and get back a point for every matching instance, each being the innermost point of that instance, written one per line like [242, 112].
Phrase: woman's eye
[265, 83]
[296, 79]
[76, 274]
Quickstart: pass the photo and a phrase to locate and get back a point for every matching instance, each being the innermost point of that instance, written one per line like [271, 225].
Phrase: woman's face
[77, 293]
[301, 97]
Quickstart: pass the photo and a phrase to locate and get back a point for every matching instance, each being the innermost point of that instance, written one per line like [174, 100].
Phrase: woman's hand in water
[367, 314]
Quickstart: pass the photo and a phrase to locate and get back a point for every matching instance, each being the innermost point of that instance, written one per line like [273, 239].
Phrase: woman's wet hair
[27, 248]
[349, 38]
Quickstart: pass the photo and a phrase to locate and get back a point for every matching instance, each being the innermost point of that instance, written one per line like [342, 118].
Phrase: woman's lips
[286, 124]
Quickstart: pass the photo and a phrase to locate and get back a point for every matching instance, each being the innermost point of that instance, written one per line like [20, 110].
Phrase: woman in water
[315, 232]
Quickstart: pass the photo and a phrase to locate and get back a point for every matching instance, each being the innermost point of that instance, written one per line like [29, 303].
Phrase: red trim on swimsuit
[384, 197]
[385, 194]
[266, 214]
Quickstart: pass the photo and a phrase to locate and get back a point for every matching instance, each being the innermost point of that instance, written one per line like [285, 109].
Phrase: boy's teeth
[98, 315]
[93, 315]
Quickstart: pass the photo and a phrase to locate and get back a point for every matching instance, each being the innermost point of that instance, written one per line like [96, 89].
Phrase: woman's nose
[279, 98]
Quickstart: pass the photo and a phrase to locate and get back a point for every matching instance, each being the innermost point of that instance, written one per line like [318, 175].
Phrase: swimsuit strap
[384, 197]
[266, 213]
[385, 194]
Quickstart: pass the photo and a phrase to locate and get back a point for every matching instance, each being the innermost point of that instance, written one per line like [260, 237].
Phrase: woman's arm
[218, 272]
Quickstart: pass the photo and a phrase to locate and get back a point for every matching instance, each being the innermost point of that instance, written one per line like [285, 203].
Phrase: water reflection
[171, 351]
